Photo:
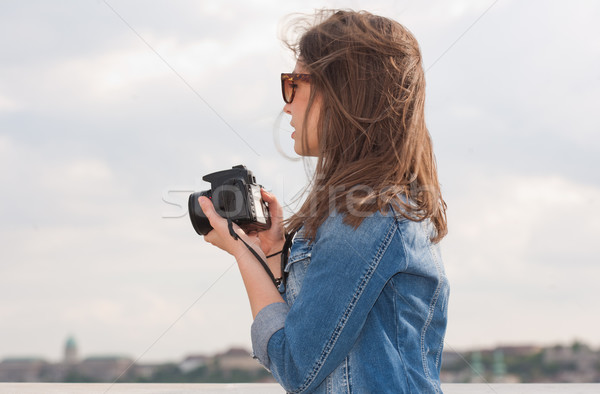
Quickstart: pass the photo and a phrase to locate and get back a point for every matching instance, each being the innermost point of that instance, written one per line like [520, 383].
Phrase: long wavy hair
[374, 148]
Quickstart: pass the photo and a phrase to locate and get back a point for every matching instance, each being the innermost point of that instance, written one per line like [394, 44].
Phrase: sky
[112, 111]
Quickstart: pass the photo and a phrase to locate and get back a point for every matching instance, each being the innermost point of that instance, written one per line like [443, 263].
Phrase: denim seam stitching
[403, 244]
[439, 352]
[424, 331]
[397, 334]
[299, 258]
[441, 347]
[430, 314]
[290, 266]
[443, 279]
[344, 319]
[348, 383]
[401, 235]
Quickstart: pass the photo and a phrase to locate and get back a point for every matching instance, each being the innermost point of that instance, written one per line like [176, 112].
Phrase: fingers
[275, 208]
[268, 197]
[219, 236]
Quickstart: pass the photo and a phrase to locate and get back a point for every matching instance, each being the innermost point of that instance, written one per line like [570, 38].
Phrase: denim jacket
[365, 311]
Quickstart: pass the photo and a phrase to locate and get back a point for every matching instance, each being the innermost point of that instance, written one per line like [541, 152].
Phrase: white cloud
[500, 216]
[9, 105]
[521, 249]
[84, 170]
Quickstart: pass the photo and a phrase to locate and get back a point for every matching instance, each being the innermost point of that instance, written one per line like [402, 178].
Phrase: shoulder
[376, 233]
[373, 226]
[365, 244]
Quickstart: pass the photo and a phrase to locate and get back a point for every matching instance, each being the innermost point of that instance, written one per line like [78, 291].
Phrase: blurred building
[24, 369]
[104, 368]
[71, 352]
[193, 362]
[110, 368]
[94, 369]
[575, 363]
[236, 358]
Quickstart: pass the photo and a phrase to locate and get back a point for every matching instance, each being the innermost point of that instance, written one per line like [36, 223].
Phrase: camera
[235, 195]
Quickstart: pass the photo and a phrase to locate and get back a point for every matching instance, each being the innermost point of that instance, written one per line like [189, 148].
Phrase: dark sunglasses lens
[287, 90]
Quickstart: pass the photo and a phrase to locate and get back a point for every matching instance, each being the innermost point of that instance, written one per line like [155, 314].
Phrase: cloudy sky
[112, 111]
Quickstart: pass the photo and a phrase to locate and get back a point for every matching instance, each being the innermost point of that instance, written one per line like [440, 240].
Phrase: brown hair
[374, 147]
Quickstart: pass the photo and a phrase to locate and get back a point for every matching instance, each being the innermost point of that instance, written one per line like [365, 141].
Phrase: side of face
[297, 109]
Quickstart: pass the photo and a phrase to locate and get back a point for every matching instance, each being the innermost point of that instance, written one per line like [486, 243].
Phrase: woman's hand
[219, 235]
[272, 240]
[268, 242]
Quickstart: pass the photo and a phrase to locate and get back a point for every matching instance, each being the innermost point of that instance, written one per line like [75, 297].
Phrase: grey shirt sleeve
[269, 320]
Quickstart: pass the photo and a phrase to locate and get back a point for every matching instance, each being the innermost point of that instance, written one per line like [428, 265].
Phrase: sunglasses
[288, 85]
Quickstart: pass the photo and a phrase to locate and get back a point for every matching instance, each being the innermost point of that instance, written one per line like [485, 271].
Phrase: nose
[287, 108]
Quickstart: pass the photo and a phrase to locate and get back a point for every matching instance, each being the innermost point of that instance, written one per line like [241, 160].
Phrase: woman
[363, 305]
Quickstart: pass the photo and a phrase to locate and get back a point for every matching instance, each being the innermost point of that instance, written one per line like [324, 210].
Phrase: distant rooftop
[108, 357]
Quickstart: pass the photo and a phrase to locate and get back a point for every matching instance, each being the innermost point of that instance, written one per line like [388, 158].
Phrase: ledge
[270, 388]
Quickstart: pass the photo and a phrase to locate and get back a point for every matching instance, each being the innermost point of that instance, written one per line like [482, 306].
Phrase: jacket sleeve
[305, 343]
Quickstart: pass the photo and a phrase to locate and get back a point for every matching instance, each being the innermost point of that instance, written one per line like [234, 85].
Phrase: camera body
[235, 195]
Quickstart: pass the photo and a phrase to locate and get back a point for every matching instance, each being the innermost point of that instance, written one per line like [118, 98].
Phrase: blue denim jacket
[365, 311]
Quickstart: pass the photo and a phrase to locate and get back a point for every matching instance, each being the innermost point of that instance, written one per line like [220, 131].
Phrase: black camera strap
[285, 251]
[276, 282]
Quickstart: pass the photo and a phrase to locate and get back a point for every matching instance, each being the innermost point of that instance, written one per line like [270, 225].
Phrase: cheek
[312, 129]
[313, 120]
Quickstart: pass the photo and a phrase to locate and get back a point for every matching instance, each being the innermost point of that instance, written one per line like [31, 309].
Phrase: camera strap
[276, 282]
[285, 251]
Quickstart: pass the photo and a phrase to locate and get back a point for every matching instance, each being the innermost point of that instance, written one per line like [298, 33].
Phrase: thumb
[207, 207]
[216, 221]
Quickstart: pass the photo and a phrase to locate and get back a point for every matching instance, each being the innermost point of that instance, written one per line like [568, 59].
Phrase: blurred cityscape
[573, 363]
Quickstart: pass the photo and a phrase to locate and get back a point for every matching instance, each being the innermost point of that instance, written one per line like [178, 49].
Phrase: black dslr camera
[235, 195]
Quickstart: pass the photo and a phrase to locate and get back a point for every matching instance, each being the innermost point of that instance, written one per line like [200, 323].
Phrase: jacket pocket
[296, 268]
[301, 251]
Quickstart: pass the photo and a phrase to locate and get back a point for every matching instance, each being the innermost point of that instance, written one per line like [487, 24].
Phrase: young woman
[363, 304]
